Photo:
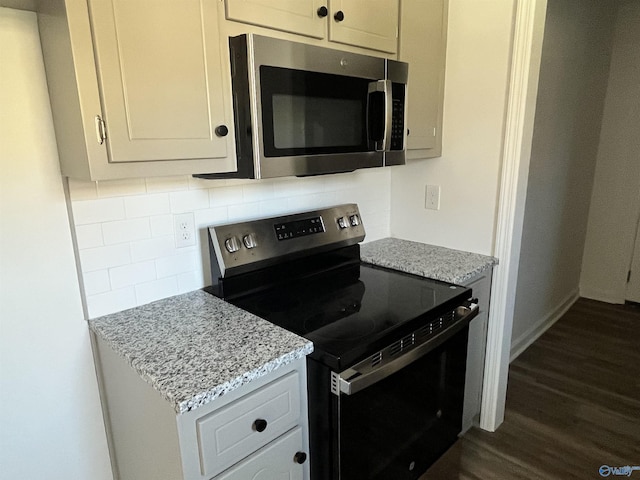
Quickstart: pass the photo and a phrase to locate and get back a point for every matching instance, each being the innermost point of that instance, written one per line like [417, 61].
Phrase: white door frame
[523, 87]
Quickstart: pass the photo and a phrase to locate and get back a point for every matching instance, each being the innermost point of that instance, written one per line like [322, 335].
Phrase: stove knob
[355, 220]
[342, 223]
[232, 245]
[250, 241]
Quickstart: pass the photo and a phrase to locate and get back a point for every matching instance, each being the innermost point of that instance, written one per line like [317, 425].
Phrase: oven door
[394, 428]
[397, 427]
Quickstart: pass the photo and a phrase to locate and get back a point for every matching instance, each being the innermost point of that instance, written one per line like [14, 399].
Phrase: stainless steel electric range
[386, 378]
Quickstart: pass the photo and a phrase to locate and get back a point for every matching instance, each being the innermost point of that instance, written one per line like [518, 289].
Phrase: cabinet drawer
[275, 461]
[228, 435]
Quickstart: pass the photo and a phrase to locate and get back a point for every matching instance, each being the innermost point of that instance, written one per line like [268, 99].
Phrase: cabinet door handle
[322, 12]
[339, 16]
[260, 425]
[101, 130]
[300, 457]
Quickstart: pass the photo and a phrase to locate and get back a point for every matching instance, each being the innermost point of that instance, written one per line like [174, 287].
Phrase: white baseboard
[521, 343]
[607, 296]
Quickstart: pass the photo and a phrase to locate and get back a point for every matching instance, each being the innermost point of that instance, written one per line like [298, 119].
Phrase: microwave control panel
[397, 122]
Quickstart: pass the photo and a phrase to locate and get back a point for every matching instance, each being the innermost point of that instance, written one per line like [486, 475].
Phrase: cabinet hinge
[101, 130]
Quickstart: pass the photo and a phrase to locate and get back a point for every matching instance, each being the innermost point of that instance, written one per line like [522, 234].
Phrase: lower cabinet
[257, 431]
[272, 462]
[481, 285]
[231, 433]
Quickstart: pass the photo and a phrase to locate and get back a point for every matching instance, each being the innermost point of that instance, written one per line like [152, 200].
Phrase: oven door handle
[352, 380]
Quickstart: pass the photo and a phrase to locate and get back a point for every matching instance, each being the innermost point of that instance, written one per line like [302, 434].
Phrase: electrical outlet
[185, 230]
[432, 197]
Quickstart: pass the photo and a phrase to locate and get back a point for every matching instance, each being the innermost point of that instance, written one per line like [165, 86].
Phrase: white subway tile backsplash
[183, 263]
[89, 236]
[154, 248]
[244, 211]
[81, 190]
[189, 200]
[96, 282]
[308, 202]
[167, 184]
[211, 216]
[202, 183]
[147, 205]
[119, 188]
[189, 281]
[292, 187]
[132, 274]
[270, 208]
[126, 230]
[151, 291]
[161, 225]
[126, 241]
[341, 181]
[225, 196]
[100, 258]
[257, 191]
[98, 210]
[111, 302]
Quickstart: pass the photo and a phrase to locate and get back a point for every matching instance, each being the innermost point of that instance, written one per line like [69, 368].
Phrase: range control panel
[246, 246]
[299, 228]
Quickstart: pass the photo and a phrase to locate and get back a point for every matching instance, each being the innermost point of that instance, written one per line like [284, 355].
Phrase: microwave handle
[380, 92]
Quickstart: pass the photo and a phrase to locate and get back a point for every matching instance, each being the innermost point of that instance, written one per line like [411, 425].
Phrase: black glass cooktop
[353, 312]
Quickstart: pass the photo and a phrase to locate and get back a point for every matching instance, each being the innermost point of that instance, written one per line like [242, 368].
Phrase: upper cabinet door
[423, 38]
[159, 70]
[370, 24]
[305, 17]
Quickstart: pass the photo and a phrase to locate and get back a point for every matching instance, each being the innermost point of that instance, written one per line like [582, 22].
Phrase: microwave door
[379, 115]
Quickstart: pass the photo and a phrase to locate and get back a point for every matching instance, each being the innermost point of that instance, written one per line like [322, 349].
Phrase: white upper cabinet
[423, 38]
[304, 17]
[159, 72]
[370, 24]
[137, 87]
[365, 23]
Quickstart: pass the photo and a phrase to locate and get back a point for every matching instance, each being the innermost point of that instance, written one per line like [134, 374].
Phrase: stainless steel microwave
[306, 110]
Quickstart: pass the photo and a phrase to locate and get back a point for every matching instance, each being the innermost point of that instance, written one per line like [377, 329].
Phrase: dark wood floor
[573, 404]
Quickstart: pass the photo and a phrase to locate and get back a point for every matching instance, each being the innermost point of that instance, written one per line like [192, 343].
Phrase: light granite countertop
[440, 263]
[194, 348]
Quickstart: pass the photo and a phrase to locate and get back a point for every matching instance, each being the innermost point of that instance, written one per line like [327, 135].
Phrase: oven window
[307, 113]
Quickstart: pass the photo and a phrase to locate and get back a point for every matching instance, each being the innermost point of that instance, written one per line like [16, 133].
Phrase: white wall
[476, 82]
[615, 203]
[125, 228]
[50, 420]
[571, 92]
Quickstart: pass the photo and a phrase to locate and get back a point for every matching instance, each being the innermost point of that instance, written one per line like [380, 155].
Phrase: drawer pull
[260, 425]
[300, 457]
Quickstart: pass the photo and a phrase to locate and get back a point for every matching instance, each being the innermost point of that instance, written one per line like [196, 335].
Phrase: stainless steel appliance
[386, 378]
[308, 110]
